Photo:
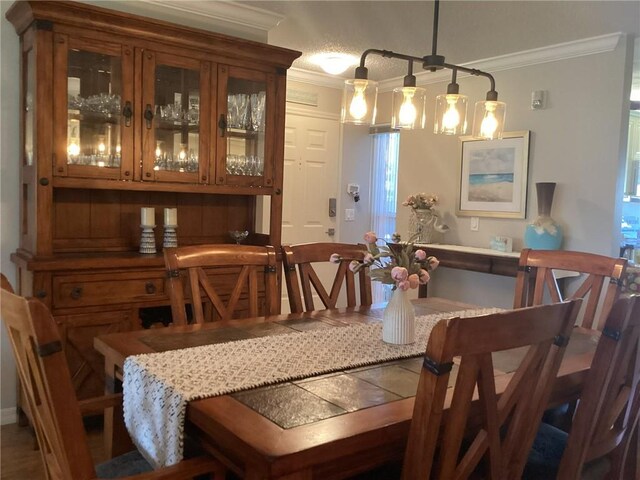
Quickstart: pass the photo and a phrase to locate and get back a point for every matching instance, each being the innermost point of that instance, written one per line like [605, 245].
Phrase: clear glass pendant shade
[408, 108]
[451, 114]
[488, 120]
[359, 102]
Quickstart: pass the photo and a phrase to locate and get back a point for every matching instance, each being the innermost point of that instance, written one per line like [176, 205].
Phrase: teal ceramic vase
[544, 233]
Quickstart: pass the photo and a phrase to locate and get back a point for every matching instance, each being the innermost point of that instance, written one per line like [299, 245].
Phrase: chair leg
[625, 463]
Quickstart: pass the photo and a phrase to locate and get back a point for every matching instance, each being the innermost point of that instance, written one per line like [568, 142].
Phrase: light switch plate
[475, 224]
[349, 214]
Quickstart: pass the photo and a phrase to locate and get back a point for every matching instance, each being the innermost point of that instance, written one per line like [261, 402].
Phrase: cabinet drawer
[108, 289]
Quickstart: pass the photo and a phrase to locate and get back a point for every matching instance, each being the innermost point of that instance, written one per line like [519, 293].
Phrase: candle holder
[170, 238]
[147, 239]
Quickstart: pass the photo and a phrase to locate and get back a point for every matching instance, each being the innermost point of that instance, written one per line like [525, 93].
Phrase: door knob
[331, 232]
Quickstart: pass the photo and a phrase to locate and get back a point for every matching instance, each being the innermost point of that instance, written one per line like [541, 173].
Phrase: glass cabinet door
[245, 109]
[93, 108]
[175, 118]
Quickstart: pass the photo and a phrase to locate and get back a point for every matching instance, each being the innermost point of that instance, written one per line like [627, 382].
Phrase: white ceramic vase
[399, 319]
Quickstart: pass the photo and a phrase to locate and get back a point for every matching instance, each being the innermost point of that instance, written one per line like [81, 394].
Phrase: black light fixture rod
[473, 71]
[436, 11]
[426, 64]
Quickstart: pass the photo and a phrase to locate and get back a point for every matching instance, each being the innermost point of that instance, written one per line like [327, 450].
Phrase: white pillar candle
[147, 216]
[171, 216]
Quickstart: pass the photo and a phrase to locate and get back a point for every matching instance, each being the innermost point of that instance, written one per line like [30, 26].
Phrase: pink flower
[335, 258]
[424, 277]
[404, 285]
[433, 263]
[420, 255]
[354, 266]
[399, 274]
[368, 258]
[370, 237]
[413, 280]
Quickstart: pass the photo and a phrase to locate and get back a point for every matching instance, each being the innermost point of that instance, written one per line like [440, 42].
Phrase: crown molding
[224, 11]
[315, 78]
[550, 53]
[525, 58]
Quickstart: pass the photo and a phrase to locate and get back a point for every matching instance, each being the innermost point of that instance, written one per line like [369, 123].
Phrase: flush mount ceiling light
[334, 63]
[408, 102]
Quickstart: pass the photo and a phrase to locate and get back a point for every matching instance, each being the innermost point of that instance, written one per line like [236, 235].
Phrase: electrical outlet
[475, 224]
[349, 214]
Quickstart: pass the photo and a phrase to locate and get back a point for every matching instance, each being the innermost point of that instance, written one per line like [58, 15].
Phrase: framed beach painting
[493, 176]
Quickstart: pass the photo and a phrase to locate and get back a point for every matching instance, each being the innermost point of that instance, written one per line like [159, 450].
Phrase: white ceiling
[468, 30]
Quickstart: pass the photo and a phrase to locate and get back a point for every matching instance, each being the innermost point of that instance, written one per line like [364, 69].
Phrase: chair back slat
[507, 423]
[552, 286]
[206, 270]
[609, 406]
[600, 286]
[303, 283]
[46, 382]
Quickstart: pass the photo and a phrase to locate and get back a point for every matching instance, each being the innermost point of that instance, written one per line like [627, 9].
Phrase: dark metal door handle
[148, 115]
[127, 113]
[150, 288]
[222, 124]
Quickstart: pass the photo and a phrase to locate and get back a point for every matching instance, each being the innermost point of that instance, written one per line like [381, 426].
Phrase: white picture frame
[493, 176]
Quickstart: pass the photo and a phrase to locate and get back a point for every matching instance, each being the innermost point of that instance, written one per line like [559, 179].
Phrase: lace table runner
[157, 386]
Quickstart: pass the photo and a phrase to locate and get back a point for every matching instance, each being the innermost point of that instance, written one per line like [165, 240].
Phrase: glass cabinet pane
[177, 119]
[94, 87]
[245, 149]
[29, 106]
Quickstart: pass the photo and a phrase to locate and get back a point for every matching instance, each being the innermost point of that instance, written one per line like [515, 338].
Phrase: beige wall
[576, 141]
[9, 175]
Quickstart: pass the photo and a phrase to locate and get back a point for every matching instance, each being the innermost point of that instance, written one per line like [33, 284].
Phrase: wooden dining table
[323, 427]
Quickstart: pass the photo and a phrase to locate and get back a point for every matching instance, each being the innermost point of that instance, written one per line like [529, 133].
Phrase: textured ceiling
[468, 30]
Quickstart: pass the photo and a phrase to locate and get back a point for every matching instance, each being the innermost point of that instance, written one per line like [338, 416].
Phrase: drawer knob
[150, 288]
[76, 292]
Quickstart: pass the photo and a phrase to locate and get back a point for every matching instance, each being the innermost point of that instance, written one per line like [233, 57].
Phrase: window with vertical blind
[384, 194]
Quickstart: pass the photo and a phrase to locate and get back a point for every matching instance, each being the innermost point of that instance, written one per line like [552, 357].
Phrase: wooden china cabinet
[121, 112]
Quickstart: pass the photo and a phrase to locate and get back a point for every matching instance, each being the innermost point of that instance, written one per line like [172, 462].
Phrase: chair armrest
[95, 406]
[187, 469]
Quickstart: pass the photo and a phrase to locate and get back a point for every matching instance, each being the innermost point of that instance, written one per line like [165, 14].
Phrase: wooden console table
[474, 259]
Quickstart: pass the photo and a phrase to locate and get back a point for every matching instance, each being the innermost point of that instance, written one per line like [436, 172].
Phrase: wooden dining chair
[608, 410]
[229, 277]
[600, 285]
[57, 419]
[508, 422]
[22, 408]
[304, 256]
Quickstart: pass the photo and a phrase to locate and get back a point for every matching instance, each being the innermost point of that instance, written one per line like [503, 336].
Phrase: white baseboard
[8, 415]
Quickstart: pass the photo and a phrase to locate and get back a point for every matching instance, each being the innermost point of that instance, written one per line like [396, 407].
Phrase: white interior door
[311, 164]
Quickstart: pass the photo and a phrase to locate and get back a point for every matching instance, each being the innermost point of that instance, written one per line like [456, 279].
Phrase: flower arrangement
[421, 201]
[424, 220]
[403, 268]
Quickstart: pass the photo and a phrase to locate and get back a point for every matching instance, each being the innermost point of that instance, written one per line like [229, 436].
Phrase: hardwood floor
[20, 459]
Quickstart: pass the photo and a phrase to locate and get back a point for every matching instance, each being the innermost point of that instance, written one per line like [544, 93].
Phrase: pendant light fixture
[408, 103]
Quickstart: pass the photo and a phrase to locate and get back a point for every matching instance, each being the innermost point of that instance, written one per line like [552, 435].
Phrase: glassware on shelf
[250, 165]
[257, 111]
[106, 104]
[238, 111]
